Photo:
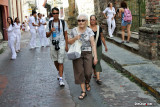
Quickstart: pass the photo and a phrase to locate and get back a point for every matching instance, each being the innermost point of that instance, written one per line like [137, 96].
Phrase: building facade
[3, 19]
[12, 8]
[15, 9]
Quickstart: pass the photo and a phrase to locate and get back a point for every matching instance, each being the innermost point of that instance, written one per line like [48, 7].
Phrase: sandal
[127, 41]
[88, 87]
[99, 82]
[94, 76]
[122, 42]
[81, 97]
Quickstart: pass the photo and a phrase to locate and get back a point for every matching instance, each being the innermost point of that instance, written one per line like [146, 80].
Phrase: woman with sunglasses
[17, 31]
[11, 37]
[99, 39]
[83, 66]
[110, 10]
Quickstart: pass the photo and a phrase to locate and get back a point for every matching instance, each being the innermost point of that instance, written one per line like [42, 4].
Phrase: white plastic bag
[75, 50]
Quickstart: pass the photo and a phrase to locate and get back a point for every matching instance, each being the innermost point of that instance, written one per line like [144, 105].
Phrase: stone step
[142, 70]
[134, 36]
[3, 45]
[133, 47]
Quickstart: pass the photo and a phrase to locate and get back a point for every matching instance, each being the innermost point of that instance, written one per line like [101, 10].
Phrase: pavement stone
[141, 68]
[116, 90]
[120, 91]
[149, 73]
[130, 45]
[123, 56]
[32, 79]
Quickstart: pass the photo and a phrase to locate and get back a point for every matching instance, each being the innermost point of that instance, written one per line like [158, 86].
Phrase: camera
[56, 43]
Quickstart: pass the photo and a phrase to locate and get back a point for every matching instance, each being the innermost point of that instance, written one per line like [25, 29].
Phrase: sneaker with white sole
[61, 83]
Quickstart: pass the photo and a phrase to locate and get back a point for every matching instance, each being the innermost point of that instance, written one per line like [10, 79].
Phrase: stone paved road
[116, 91]
[30, 81]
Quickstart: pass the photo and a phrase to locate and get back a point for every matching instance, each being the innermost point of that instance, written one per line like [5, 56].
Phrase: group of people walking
[37, 25]
[14, 32]
[14, 35]
[91, 38]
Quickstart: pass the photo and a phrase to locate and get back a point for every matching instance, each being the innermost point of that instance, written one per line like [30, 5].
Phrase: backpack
[127, 15]
[63, 25]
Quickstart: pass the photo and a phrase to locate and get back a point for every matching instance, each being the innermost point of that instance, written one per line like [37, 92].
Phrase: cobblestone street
[31, 81]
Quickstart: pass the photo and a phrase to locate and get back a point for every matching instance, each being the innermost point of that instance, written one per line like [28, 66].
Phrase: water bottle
[54, 34]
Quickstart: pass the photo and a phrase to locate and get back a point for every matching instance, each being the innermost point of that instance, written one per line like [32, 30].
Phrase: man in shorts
[57, 31]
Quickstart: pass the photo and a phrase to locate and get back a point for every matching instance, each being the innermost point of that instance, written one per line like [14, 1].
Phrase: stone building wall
[149, 34]
[85, 6]
[71, 14]
[100, 5]
[153, 11]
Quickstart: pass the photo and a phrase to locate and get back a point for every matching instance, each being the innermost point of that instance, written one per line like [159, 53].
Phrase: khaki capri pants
[83, 68]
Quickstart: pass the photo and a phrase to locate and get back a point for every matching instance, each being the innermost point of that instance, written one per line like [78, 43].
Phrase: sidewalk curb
[122, 45]
[120, 67]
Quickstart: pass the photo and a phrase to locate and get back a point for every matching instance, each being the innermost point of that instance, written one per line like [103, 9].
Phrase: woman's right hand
[77, 37]
[106, 17]
[7, 25]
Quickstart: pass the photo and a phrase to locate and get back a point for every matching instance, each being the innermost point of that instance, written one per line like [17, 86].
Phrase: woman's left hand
[95, 61]
[106, 49]
[66, 48]
[112, 18]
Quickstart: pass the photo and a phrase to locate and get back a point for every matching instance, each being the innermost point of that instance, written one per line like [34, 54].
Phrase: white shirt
[32, 20]
[59, 34]
[17, 27]
[26, 20]
[11, 31]
[23, 26]
[51, 18]
[41, 25]
[109, 11]
[85, 38]
[44, 18]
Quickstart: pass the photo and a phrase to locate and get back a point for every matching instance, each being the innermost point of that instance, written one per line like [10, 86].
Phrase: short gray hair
[83, 15]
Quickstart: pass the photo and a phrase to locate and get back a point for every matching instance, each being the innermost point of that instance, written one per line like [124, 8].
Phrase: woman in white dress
[11, 37]
[17, 32]
[110, 10]
[26, 23]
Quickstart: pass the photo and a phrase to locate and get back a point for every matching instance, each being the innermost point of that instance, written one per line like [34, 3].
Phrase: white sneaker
[61, 83]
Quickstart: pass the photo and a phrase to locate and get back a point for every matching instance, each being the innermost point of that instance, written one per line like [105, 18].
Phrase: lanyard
[58, 26]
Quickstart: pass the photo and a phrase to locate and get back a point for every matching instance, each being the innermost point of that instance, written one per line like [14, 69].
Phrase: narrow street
[30, 81]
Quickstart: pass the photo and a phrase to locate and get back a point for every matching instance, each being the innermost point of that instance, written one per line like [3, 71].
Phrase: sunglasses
[55, 13]
[81, 20]
[93, 20]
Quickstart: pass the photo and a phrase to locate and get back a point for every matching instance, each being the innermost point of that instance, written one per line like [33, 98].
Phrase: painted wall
[4, 2]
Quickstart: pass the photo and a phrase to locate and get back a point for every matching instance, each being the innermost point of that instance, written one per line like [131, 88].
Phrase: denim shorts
[125, 23]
